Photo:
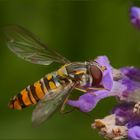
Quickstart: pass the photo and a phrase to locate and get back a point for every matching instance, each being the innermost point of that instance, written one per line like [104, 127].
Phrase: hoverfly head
[96, 71]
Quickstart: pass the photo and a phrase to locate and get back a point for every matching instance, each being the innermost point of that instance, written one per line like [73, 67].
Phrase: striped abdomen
[35, 92]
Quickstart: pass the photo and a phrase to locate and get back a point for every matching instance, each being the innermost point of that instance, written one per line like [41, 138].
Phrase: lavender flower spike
[134, 133]
[135, 16]
[124, 83]
[127, 113]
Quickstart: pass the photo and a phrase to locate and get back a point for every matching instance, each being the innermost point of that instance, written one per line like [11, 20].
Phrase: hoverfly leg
[66, 112]
[64, 106]
[65, 101]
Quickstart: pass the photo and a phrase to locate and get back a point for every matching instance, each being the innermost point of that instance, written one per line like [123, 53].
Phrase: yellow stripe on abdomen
[25, 97]
[39, 90]
[52, 85]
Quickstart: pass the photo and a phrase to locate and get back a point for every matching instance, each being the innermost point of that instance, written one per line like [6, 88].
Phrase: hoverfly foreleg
[66, 112]
[65, 101]
[64, 106]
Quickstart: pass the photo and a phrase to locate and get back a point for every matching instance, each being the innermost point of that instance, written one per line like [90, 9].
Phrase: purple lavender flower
[88, 101]
[134, 133]
[135, 16]
[124, 122]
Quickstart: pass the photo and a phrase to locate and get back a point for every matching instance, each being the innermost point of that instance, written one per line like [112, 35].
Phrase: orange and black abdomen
[28, 96]
[35, 92]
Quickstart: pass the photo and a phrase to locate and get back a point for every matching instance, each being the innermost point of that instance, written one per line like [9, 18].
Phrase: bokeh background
[78, 29]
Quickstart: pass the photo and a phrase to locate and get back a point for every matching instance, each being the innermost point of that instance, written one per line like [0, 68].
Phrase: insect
[51, 91]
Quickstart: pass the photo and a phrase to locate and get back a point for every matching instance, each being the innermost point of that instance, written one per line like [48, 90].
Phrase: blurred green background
[78, 29]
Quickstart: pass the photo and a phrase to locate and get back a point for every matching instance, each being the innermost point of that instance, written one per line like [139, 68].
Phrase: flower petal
[88, 101]
[124, 113]
[85, 102]
[132, 91]
[131, 72]
[135, 16]
[134, 133]
[107, 80]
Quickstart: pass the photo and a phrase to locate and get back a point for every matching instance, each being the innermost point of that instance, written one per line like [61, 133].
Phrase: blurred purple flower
[135, 16]
[134, 133]
[125, 118]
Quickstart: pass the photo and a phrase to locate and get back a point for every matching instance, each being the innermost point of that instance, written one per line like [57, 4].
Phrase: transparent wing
[46, 107]
[28, 47]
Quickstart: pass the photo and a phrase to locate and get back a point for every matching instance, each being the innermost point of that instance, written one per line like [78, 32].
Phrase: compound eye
[96, 74]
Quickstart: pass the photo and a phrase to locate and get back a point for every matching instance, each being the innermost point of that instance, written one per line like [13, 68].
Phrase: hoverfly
[51, 91]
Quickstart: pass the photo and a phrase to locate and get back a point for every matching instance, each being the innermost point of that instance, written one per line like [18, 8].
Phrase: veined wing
[46, 107]
[29, 47]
